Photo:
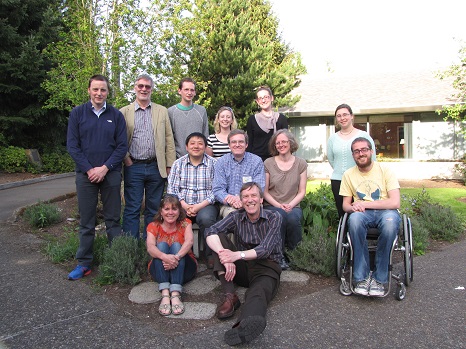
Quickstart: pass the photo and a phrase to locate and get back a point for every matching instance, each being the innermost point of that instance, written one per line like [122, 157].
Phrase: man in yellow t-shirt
[371, 194]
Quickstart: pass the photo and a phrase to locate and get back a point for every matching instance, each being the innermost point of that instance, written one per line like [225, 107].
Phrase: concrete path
[41, 309]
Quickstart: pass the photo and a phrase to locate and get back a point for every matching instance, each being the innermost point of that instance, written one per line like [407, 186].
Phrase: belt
[143, 161]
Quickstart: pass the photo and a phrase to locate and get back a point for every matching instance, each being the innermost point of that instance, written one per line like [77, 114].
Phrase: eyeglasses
[344, 115]
[238, 142]
[263, 98]
[277, 144]
[141, 86]
[361, 151]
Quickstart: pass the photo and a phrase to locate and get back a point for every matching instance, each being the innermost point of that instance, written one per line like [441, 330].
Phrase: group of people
[213, 181]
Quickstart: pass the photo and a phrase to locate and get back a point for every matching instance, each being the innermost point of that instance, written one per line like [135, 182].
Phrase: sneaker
[376, 288]
[79, 272]
[362, 287]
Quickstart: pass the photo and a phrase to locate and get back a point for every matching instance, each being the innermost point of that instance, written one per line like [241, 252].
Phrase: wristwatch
[243, 256]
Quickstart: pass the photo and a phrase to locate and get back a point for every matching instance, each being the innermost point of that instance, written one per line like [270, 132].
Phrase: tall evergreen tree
[26, 28]
[230, 47]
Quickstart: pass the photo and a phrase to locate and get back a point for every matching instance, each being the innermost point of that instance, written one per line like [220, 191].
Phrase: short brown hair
[293, 144]
[249, 185]
[238, 131]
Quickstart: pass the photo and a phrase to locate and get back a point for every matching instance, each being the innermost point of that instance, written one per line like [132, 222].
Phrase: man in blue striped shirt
[190, 179]
[251, 259]
[235, 169]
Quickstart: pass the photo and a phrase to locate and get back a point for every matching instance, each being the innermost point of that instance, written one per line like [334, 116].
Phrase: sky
[362, 36]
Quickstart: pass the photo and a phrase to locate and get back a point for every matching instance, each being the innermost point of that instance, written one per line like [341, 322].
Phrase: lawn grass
[444, 196]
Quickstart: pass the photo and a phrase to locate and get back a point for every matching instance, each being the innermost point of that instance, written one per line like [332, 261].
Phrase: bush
[316, 252]
[320, 205]
[412, 205]
[13, 159]
[57, 162]
[441, 221]
[420, 236]
[42, 215]
[124, 262]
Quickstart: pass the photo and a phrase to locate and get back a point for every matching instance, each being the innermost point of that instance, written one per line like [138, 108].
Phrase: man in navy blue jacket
[96, 141]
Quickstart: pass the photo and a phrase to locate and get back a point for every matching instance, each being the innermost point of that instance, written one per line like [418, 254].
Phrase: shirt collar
[137, 106]
[262, 215]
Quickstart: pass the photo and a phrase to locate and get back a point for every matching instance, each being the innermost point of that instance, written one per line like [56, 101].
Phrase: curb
[35, 180]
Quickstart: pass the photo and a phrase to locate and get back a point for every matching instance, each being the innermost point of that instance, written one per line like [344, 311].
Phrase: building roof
[382, 93]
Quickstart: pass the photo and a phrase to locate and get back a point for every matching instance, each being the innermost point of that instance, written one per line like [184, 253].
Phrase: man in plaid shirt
[190, 179]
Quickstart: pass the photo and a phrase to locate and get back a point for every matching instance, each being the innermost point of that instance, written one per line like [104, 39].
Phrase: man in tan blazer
[151, 153]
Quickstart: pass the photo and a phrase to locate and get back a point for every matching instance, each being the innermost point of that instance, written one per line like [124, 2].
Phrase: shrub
[420, 236]
[57, 162]
[124, 262]
[316, 252]
[42, 215]
[411, 205]
[320, 205]
[13, 159]
[441, 221]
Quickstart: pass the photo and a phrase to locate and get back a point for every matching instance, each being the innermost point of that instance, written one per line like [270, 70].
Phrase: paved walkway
[41, 309]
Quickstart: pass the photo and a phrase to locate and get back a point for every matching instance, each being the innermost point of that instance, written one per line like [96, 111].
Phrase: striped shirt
[230, 175]
[143, 143]
[190, 183]
[218, 148]
[262, 235]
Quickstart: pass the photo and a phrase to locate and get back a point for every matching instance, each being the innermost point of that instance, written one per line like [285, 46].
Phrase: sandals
[178, 309]
[165, 309]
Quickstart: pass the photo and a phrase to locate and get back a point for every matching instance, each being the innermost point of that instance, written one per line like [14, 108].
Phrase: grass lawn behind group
[453, 197]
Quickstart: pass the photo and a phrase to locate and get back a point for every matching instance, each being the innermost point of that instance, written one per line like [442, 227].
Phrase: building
[397, 109]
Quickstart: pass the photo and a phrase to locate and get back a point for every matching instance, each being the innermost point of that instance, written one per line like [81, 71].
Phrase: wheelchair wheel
[400, 292]
[408, 250]
[340, 250]
[345, 289]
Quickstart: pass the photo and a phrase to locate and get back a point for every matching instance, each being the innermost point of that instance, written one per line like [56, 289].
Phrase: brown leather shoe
[227, 308]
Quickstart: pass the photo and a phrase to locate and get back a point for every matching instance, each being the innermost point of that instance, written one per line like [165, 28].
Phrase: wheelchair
[403, 275]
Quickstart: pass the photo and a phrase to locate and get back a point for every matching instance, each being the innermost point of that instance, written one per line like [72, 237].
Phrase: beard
[363, 165]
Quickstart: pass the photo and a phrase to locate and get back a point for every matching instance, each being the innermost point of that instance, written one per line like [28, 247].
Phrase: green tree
[229, 47]
[114, 38]
[26, 28]
[457, 112]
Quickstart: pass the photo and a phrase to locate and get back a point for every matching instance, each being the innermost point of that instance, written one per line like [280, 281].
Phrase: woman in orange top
[169, 242]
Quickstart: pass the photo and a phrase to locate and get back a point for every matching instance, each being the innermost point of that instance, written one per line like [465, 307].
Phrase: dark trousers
[338, 198]
[260, 276]
[88, 196]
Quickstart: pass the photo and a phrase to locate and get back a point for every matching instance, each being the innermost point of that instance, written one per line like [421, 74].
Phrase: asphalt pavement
[41, 309]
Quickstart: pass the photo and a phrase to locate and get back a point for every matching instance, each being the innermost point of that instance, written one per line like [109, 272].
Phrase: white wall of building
[436, 140]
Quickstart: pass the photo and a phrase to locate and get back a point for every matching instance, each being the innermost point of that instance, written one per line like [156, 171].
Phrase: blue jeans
[138, 178]
[175, 278]
[88, 196]
[388, 224]
[291, 229]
